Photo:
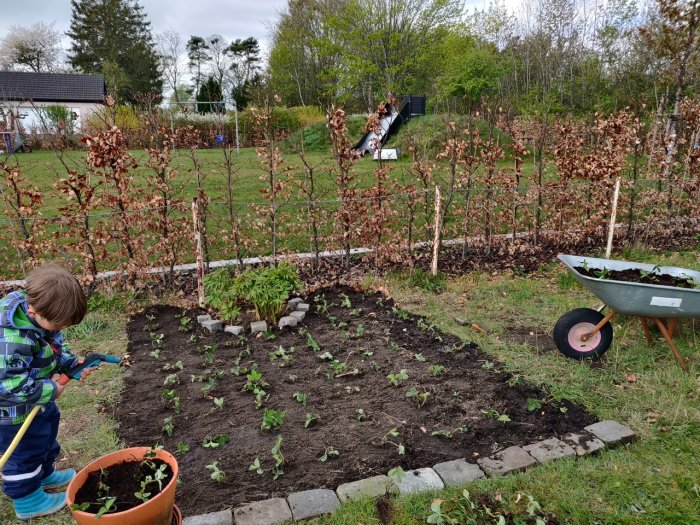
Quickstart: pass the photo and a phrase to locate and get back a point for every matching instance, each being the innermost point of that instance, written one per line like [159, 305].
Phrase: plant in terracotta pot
[134, 485]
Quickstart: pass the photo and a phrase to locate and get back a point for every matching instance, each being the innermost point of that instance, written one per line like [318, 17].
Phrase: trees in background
[556, 56]
[234, 66]
[113, 37]
[35, 48]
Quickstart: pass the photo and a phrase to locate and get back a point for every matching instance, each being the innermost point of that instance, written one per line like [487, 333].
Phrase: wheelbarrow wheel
[571, 328]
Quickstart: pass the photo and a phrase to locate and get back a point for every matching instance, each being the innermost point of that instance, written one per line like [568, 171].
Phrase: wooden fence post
[436, 237]
[197, 223]
[613, 219]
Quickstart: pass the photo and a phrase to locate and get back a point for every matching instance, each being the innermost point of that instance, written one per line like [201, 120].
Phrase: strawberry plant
[216, 441]
[419, 397]
[436, 370]
[398, 378]
[300, 398]
[216, 473]
[272, 420]
[311, 419]
[256, 467]
[329, 453]
[278, 457]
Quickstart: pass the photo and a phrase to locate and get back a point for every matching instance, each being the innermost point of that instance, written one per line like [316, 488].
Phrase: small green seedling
[272, 419]
[218, 402]
[533, 404]
[436, 370]
[345, 301]
[360, 414]
[420, 397]
[183, 448]
[216, 441]
[256, 467]
[168, 426]
[216, 473]
[185, 324]
[329, 453]
[300, 398]
[279, 459]
[503, 418]
[171, 379]
[176, 366]
[311, 419]
[398, 378]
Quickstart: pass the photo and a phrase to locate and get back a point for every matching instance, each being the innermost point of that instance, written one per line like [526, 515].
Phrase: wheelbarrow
[584, 332]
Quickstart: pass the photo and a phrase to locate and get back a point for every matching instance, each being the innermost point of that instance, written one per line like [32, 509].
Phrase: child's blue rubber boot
[58, 478]
[38, 504]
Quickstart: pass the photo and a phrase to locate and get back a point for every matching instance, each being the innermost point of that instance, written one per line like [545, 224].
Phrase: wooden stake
[196, 221]
[613, 219]
[436, 238]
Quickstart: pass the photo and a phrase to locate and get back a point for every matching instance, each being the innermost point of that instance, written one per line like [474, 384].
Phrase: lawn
[655, 480]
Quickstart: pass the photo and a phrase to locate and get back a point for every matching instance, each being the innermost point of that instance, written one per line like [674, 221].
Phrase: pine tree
[113, 37]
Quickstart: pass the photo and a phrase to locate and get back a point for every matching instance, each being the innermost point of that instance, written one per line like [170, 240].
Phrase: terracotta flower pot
[156, 511]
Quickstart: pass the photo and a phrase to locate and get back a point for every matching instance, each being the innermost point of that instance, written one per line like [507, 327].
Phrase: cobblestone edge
[610, 433]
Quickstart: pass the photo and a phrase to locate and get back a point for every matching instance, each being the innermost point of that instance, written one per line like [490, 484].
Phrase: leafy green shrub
[217, 290]
[266, 288]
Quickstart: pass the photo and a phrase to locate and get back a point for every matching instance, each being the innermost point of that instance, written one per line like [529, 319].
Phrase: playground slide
[368, 143]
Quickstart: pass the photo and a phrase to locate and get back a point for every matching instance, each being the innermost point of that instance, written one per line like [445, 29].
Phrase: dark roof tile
[51, 87]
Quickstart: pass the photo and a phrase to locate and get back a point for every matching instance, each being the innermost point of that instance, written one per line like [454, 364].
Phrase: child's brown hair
[56, 295]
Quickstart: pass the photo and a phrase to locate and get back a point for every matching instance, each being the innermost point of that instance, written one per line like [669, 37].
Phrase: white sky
[230, 18]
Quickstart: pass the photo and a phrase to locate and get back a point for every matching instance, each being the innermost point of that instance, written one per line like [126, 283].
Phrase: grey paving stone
[266, 512]
[235, 330]
[213, 325]
[215, 518]
[549, 449]
[311, 503]
[583, 442]
[508, 460]
[258, 326]
[287, 320]
[420, 480]
[202, 318]
[611, 432]
[292, 303]
[365, 488]
[458, 472]
[298, 315]
[302, 307]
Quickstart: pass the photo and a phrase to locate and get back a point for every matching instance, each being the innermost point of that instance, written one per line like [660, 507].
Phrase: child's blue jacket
[29, 356]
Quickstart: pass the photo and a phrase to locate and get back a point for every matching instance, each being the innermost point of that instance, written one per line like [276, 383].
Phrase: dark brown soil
[122, 481]
[374, 337]
[634, 275]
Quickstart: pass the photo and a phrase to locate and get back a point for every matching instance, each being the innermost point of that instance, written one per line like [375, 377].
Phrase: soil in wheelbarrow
[124, 482]
[363, 387]
[634, 275]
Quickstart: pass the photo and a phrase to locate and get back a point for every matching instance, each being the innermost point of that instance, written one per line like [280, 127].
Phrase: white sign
[666, 301]
[387, 154]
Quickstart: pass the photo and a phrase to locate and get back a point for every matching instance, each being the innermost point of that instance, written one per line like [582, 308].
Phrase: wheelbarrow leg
[645, 327]
[672, 325]
[600, 325]
[671, 344]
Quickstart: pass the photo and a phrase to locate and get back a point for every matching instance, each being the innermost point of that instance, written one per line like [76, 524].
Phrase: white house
[24, 94]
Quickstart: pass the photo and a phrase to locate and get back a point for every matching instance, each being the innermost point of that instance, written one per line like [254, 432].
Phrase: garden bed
[341, 362]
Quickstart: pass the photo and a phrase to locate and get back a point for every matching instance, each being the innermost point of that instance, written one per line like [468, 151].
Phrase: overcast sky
[230, 18]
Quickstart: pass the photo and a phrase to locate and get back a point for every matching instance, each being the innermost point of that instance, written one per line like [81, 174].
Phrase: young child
[32, 355]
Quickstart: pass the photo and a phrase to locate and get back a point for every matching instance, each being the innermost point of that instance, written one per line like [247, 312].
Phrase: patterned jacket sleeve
[66, 359]
[17, 383]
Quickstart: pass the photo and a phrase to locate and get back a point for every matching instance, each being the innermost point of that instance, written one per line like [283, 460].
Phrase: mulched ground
[475, 408]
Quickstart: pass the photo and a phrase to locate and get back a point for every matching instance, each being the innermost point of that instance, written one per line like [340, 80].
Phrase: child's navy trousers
[33, 458]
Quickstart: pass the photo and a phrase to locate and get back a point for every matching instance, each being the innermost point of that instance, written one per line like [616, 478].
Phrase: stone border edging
[313, 503]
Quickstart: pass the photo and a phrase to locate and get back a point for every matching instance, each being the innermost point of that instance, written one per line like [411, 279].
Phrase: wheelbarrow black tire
[580, 321]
